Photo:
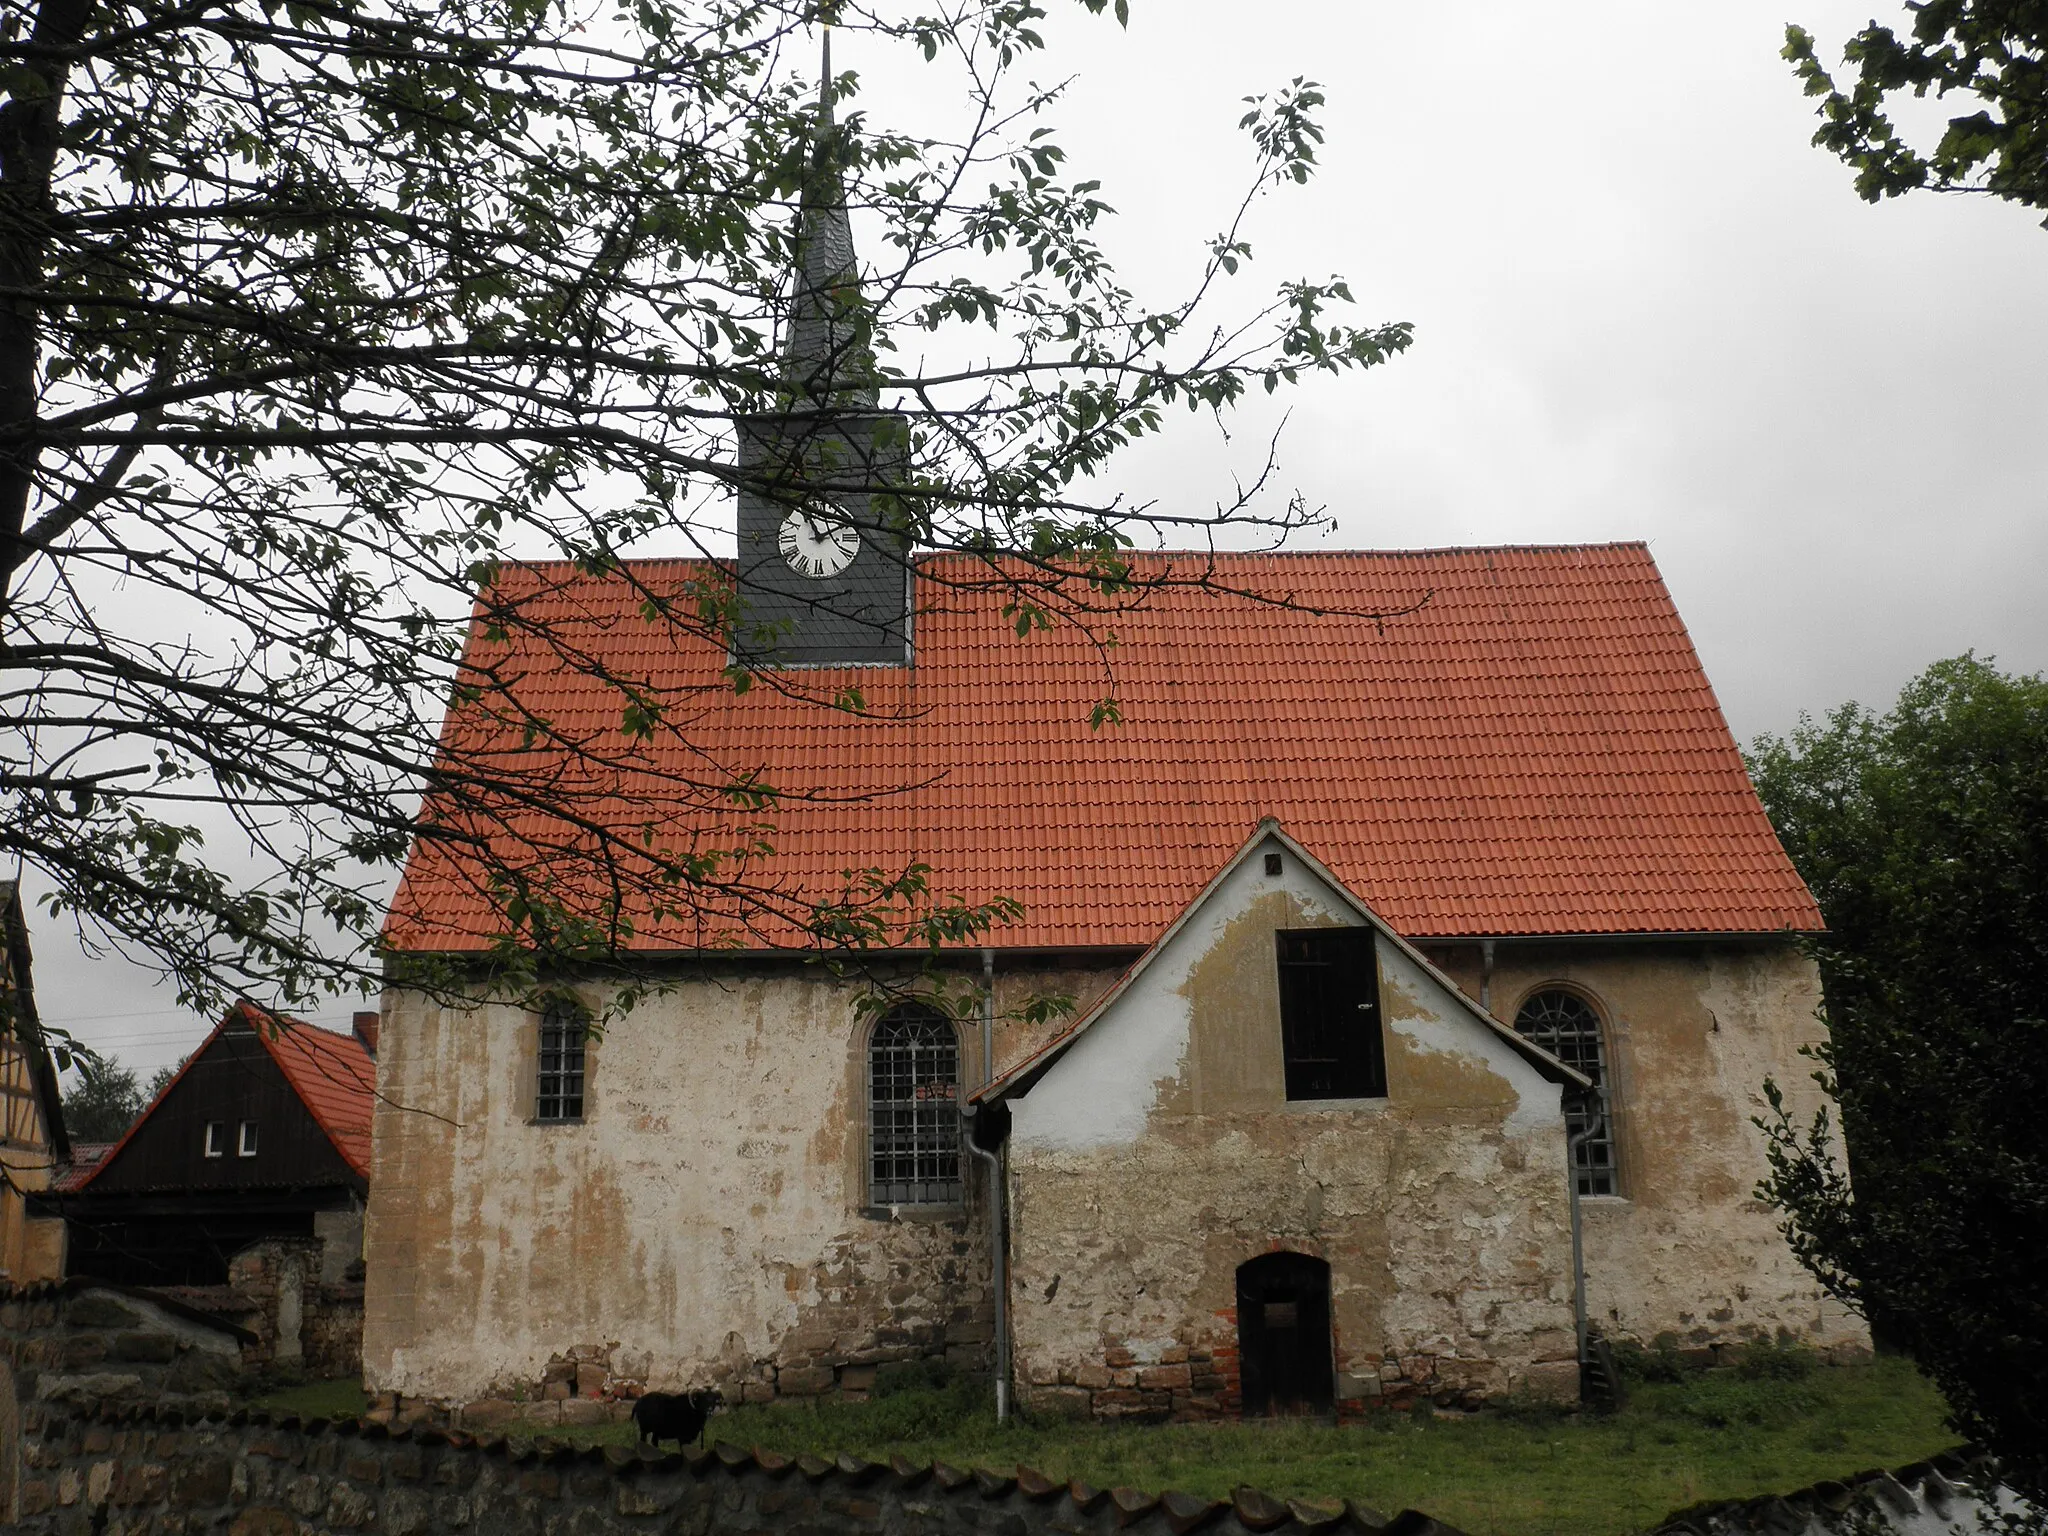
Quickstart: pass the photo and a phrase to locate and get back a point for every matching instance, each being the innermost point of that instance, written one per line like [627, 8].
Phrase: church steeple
[828, 357]
[824, 568]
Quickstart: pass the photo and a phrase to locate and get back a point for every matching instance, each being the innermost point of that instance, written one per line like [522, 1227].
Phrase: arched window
[1565, 1025]
[913, 1109]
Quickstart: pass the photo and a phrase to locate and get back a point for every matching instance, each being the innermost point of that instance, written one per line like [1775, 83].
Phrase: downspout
[1486, 976]
[998, 1250]
[1571, 1173]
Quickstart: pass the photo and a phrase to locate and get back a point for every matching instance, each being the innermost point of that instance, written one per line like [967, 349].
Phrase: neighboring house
[32, 1138]
[264, 1133]
[1365, 922]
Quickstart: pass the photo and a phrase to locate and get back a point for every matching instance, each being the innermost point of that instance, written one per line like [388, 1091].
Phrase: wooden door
[1285, 1360]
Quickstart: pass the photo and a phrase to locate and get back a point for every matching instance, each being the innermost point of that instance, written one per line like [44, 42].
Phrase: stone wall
[79, 1345]
[149, 1470]
[705, 1224]
[1961, 1491]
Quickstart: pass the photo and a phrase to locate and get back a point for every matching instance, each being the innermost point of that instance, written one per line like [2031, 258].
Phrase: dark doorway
[1283, 1336]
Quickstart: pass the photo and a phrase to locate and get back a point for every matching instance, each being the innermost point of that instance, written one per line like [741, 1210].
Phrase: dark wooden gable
[233, 1080]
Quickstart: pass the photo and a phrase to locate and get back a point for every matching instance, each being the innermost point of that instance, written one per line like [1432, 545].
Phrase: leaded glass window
[1565, 1025]
[913, 1109]
[561, 1065]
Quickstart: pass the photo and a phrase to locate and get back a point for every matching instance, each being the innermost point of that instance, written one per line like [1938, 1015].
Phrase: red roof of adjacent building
[1533, 750]
[332, 1074]
[85, 1159]
[335, 1079]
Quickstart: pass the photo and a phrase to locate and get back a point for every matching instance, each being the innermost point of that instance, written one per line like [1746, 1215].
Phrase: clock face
[815, 547]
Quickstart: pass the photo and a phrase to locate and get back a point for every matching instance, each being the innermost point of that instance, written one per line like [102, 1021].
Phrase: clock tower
[824, 551]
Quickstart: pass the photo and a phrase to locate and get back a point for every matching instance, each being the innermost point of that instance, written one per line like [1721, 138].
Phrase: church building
[1400, 958]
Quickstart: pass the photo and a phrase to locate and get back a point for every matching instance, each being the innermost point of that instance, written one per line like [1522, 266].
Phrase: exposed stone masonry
[1201, 1381]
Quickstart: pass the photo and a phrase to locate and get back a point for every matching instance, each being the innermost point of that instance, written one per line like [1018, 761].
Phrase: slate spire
[827, 356]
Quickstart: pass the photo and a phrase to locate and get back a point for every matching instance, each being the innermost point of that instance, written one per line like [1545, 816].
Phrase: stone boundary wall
[125, 1472]
[80, 1342]
[1953, 1492]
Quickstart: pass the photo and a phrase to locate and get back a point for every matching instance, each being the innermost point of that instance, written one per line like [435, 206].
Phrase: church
[1370, 1011]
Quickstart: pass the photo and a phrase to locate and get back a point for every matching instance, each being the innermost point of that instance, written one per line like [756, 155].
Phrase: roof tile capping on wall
[259, 1475]
[1960, 1490]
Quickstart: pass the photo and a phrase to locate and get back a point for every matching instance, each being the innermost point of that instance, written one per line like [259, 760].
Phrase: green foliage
[1924, 835]
[1995, 51]
[1517, 1473]
[103, 1103]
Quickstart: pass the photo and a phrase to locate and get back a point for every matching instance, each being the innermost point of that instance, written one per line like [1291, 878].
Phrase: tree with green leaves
[314, 313]
[104, 1101]
[1923, 833]
[1994, 52]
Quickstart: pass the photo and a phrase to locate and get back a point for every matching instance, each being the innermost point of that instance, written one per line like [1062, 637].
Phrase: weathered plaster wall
[1692, 1031]
[704, 1223]
[1160, 1153]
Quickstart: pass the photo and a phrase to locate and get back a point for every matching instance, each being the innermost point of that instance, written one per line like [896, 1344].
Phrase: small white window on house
[1565, 1025]
[913, 1109]
[562, 1040]
[245, 1145]
[216, 1138]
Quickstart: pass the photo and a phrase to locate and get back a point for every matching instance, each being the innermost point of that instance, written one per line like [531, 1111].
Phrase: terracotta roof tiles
[1535, 750]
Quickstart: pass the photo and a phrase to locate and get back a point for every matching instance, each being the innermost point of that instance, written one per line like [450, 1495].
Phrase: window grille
[561, 1066]
[1565, 1025]
[1330, 1014]
[913, 1110]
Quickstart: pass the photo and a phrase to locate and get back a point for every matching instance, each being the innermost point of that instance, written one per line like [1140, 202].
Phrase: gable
[31, 1104]
[1194, 1029]
[1533, 750]
[236, 1077]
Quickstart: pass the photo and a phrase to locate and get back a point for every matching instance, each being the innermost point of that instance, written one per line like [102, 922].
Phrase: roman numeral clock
[816, 546]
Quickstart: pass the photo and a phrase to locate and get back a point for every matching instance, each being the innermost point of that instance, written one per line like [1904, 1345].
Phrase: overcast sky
[1646, 308]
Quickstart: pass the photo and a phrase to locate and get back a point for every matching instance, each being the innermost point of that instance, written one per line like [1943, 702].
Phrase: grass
[317, 1400]
[1512, 1473]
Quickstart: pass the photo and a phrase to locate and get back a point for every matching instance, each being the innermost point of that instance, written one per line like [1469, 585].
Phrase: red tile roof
[332, 1075]
[335, 1079]
[86, 1157]
[1536, 750]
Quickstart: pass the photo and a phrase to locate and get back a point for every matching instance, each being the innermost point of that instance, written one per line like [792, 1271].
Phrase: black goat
[677, 1416]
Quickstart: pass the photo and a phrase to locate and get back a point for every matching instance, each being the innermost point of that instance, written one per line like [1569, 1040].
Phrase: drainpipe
[988, 1017]
[1486, 980]
[1571, 1173]
[998, 1250]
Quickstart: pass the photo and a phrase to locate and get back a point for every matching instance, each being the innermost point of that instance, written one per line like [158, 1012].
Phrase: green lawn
[318, 1400]
[1717, 1436]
